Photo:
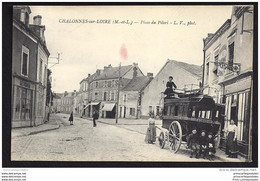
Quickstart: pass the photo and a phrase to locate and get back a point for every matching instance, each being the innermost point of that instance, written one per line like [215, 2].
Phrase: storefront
[237, 99]
[23, 103]
[109, 110]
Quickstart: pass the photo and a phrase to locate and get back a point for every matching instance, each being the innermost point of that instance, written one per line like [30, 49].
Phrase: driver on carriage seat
[169, 87]
[193, 143]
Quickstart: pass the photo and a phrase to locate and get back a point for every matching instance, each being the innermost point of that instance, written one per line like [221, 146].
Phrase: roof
[57, 95]
[137, 83]
[194, 69]
[113, 72]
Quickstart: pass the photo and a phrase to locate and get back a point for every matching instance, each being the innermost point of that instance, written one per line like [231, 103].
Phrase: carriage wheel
[175, 136]
[162, 140]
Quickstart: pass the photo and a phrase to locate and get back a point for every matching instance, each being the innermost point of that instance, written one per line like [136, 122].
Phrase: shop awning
[108, 107]
[94, 103]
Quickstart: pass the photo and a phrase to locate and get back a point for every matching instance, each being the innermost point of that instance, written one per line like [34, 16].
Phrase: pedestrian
[231, 145]
[169, 87]
[151, 130]
[193, 143]
[71, 118]
[203, 144]
[95, 116]
[211, 146]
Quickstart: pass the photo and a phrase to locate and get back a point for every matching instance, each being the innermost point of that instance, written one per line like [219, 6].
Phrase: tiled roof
[57, 95]
[113, 72]
[194, 69]
[137, 83]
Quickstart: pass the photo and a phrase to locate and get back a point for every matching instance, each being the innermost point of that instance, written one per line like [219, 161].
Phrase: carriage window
[180, 110]
[176, 111]
[193, 113]
[217, 114]
[165, 110]
[203, 114]
[169, 110]
[208, 113]
[185, 110]
[172, 110]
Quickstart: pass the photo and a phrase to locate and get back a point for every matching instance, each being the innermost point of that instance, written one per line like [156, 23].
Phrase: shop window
[23, 104]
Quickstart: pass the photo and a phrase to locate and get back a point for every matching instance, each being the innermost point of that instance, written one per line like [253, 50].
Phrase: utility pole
[118, 91]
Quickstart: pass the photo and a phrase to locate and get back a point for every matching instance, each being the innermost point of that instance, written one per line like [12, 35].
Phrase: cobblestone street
[82, 142]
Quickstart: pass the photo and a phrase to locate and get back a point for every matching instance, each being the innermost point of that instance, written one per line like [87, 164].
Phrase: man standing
[95, 116]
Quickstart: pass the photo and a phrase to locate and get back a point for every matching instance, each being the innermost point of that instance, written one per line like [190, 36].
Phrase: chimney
[37, 20]
[88, 75]
[107, 67]
[65, 93]
[150, 75]
[98, 71]
[135, 64]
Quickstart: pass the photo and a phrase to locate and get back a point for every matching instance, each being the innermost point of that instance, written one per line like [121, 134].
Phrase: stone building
[29, 69]
[67, 102]
[185, 76]
[56, 102]
[130, 97]
[228, 70]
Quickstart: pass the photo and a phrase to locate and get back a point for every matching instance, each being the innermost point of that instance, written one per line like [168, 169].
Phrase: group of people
[95, 117]
[201, 145]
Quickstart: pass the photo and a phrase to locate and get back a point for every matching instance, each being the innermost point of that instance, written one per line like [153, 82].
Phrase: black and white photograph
[129, 83]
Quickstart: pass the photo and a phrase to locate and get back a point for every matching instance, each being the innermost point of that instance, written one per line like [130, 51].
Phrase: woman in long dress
[231, 146]
[151, 130]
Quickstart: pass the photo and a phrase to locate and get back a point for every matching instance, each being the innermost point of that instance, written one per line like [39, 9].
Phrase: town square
[158, 84]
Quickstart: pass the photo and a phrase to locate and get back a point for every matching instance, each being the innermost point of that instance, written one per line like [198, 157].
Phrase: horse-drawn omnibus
[183, 111]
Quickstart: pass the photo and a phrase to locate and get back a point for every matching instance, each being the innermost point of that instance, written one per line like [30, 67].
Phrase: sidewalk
[140, 126]
[48, 126]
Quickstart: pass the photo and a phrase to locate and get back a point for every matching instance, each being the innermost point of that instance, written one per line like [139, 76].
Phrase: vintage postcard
[164, 83]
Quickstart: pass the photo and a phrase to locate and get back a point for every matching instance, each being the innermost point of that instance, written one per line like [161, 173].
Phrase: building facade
[67, 102]
[185, 76]
[130, 97]
[29, 69]
[228, 69]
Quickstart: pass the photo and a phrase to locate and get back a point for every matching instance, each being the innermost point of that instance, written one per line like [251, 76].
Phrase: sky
[84, 47]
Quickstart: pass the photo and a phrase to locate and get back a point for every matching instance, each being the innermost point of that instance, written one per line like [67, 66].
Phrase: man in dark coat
[193, 143]
[169, 87]
[95, 116]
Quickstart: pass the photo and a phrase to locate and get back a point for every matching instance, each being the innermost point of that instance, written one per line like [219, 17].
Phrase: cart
[182, 112]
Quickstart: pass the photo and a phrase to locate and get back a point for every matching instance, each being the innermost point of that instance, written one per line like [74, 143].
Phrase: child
[211, 146]
[203, 143]
[193, 143]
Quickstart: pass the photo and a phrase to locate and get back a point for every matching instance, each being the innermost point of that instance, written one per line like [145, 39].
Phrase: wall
[152, 94]
[20, 39]
[131, 101]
